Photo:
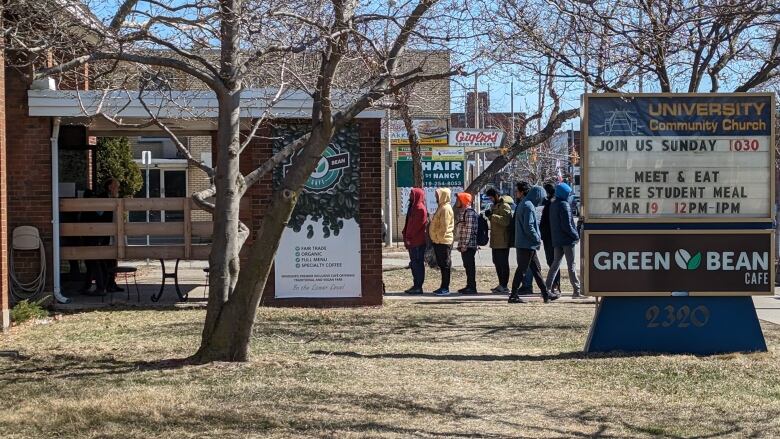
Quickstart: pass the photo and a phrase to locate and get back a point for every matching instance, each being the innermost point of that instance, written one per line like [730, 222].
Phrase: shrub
[115, 160]
[26, 310]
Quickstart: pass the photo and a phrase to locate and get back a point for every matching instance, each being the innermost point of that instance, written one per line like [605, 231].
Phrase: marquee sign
[679, 158]
[696, 159]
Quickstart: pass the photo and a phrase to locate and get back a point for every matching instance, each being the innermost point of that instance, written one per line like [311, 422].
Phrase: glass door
[162, 183]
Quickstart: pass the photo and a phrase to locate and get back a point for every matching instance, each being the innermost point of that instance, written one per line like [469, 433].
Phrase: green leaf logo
[685, 261]
[695, 261]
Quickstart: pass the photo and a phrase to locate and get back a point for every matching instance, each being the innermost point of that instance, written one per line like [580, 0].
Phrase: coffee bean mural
[331, 193]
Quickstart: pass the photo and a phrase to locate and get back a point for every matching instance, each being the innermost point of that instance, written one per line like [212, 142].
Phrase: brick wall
[370, 218]
[197, 180]
[4, 305]
[29, 175]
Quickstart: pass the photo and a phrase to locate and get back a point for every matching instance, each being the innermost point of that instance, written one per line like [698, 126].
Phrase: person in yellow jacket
[441, 234]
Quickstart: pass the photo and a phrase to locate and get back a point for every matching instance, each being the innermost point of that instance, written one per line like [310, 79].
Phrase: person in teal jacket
[528, 239]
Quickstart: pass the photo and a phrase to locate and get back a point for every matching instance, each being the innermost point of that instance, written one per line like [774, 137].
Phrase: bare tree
[677, 46]
[555, 118]
[628, 45]
[402, 100]
[310, 46]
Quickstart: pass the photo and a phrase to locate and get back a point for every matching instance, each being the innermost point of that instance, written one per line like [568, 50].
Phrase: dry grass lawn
[429, 369]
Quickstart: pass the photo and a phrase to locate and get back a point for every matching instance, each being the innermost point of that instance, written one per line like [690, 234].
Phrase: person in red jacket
[414, 238]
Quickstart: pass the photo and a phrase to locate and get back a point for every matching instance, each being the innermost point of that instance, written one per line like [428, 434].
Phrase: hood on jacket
[507, 199]
[562, 191]
[417, 197]
[464, 198]
[535, 195]
[443, 196]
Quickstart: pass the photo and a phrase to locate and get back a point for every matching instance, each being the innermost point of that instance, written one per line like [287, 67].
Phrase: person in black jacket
[547, 241]
[102, 271]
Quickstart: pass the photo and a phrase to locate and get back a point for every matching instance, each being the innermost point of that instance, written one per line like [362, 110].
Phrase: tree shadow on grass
[726, 425]
[574, 355]
[554, 423]
[23, 369]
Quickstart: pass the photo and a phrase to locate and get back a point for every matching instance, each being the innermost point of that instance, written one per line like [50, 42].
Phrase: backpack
[483, 235]
[510, 231]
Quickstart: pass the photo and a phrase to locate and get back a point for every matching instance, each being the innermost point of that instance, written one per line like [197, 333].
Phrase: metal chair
[126, 271]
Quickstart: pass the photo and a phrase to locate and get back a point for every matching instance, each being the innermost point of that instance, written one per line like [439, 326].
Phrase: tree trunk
[232, 330]
[414, 146]
[225, 246]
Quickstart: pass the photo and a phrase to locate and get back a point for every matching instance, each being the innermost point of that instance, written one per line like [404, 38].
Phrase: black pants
[417, 263]
[100, 270]
[470, 265]
[549, 255]
[527, 258]
[442, 252]
[501, 262]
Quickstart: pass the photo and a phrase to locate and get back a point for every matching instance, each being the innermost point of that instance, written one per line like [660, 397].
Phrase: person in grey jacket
[528, 239]
[564, 237]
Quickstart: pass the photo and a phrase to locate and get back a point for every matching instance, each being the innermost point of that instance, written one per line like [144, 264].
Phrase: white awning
[189, 110]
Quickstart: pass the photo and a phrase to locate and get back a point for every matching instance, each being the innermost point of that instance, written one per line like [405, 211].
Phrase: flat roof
[189, 109]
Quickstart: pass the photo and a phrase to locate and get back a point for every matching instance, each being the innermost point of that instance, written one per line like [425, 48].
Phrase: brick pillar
[4, 317]
[28, 179]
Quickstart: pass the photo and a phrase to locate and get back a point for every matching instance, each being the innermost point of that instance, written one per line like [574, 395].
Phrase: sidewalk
[768, 308]
[483, 259]
[484, 297]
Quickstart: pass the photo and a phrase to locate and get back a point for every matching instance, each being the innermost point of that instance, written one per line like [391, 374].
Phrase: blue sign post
[678, 203]
[678, 325]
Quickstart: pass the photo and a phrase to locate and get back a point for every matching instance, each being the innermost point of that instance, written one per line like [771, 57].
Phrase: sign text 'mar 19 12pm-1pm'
[672, 157]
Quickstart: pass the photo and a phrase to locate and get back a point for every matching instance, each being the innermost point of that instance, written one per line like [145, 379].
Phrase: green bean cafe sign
[319, 253]
[695, 262]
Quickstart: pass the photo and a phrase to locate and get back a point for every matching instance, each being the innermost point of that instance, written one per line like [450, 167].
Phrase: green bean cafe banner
[319, 253]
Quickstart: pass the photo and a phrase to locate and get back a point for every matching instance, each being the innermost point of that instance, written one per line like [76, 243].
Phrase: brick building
[33, 130]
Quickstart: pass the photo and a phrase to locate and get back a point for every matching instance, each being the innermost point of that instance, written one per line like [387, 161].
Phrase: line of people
[512, 223]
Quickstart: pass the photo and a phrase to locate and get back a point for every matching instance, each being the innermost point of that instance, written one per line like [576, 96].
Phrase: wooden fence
[119, 229]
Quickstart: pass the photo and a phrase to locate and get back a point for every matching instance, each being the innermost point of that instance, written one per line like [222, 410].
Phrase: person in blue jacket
[528, 239]
[564, 237]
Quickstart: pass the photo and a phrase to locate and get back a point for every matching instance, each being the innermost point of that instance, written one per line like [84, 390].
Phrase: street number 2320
[682, 317]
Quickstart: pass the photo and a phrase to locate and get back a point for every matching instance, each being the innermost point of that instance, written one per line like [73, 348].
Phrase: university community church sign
[678, 194]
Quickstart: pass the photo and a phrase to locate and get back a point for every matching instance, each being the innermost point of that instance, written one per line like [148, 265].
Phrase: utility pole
[389, 213]
[477, 167]
[512, 109]
[512, 163]
[388, 182]
[641, 75]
